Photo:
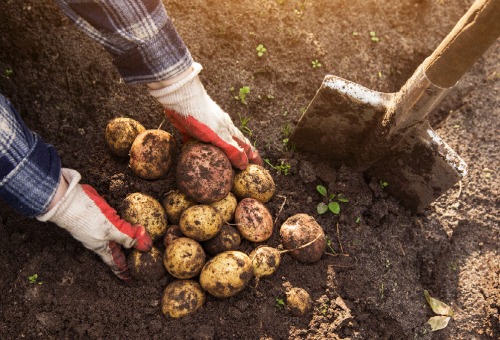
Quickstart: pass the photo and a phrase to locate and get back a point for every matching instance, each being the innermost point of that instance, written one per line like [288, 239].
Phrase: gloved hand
[90, 220]
[191, 110]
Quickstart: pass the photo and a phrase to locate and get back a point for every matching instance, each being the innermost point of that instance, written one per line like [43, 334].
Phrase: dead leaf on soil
[442, 309]
[438, 322]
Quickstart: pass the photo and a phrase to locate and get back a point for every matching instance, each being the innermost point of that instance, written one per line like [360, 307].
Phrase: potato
[226, 274]
[204, 172]
[253, 220]
[173, 232]
[121, 133]
[255, 182]
[228, 238]
[200, 222]
[181, 298]
[265, 260]
[151, 154]
[298, 301]
[142, 209]
[146, 266]
[299, 230]
[184, 258]
[226, 207]
[174, 203]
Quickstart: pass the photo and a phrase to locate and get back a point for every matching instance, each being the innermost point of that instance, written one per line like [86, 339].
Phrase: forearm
[138, 34]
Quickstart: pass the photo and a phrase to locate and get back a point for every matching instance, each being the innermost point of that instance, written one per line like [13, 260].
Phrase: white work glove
[191, 110]
[90, 220]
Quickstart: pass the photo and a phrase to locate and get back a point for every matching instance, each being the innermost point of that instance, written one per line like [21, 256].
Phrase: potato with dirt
[142, 209]
[298, 301]
[226, 207]
[265, 261]
[228, 238]
[151, 154]
[200, 222]
[303, 237]
[120, 134]
[173, 232]
[184, 258]
[253, 220]
[226, 274]
[174, 203]
[204, 172]
[182, 298]
[146, 265]
[255, 182]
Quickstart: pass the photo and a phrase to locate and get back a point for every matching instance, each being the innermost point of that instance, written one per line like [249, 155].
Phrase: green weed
[261, 50]
[333, 201]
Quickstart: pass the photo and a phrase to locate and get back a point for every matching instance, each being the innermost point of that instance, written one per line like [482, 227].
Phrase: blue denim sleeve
[29, 168]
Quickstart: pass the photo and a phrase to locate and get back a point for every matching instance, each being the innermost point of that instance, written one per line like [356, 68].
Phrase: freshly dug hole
[253, 220]
[121, 133]
[151, 154]
[303, 237]
[184, 258]
[255, 182]
[200, 222]
[146, 266]
[182, 298]
[204, 172]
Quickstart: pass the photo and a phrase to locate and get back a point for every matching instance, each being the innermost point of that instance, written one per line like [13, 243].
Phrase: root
[281, 208]
[302, 246]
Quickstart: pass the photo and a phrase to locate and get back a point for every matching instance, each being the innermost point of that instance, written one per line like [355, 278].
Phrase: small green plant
[34, 279]
[358, 220]
[443, 311]
[316, 64]
[244, 125]
[279, 303]
[333, 201]
[8, 72]
[287, 130]
[383, 184]
[261, 50]
[329, 245]
[373, 37]
[242, 95]
[282, 168]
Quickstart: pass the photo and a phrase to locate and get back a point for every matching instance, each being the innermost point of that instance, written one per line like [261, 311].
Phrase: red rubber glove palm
[191, 110]
[90, 220]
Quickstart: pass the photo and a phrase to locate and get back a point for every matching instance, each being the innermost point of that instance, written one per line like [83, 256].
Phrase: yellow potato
[181, 298]
[303, 237]
[184, 258]
[121, 133]
[253, 220]
[200, 222]
[228, 238]
[298, 301]
[151, 154]
[255, 182]
[174, 203]
[138, 208]
[226, 207]
[146, 266]
[265, 260]
[226, 274]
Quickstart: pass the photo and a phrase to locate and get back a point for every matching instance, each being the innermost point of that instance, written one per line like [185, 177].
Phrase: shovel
[387, 135]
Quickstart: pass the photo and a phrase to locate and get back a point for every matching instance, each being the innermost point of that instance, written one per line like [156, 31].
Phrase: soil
[381, 256]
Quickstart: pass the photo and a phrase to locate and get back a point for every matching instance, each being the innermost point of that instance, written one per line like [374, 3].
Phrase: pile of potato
[202, 223]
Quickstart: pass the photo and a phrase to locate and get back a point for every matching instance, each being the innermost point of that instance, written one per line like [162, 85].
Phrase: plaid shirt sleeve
[138, 34]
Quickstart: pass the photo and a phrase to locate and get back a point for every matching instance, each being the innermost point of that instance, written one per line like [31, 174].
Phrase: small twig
[459, 189]
[302, 246]
[338, 237]
[163, 121]
[281, 208]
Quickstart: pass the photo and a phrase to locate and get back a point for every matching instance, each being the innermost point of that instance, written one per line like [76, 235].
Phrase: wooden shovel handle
[476, 31]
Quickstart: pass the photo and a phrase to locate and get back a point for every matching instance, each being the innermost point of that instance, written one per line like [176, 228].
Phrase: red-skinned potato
[255, 182]
[253, 220]
[151, 154]
[174, 203]
[182, 298]
[228, 238]
[303, 237]
[204, 172]
[121, 133]
[184, 258]
[200, 222]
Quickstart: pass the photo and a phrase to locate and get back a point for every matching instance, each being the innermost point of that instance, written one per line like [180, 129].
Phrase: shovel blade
[338, 119]
[421, 168]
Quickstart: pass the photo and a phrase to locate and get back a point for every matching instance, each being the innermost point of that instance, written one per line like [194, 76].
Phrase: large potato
[146, 265]
[226, 207]
[228, 238]
[297, 232]
[151, 154]
[181, 298]
[200, 222]
[174, 203]
[226, 274]
[253, 220]
[184, 258]
[255, 182]
[204, 172]
[121, 133]
[142, 209]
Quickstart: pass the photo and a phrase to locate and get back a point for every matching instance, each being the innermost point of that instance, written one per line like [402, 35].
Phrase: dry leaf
[437, 306]
[438, 322]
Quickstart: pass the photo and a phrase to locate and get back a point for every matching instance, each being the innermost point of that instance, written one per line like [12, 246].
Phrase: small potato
[181, 298]
[151, 154]
[142, 209]
[255, 182]
[226, 274]
[174, 203]
[204, 172]
[121, 133]
[265, 260]
[184, 258]
[228, 238]
[146, 266]
[200, 222]
[299, 230]
[253, 220]
[298, 301]
[226, 207]
[173, 232]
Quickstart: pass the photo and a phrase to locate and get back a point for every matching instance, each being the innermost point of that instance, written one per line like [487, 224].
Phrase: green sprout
[333, 201]
[244, 125]
[373, 37]
[261, 50]
[279, 303]
[316, 64]
[383, 184]
[34, 279]
[8, 72]
[242, 95]
[282, 168]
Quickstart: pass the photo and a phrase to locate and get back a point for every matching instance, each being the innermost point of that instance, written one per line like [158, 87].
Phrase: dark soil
[381, 257]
